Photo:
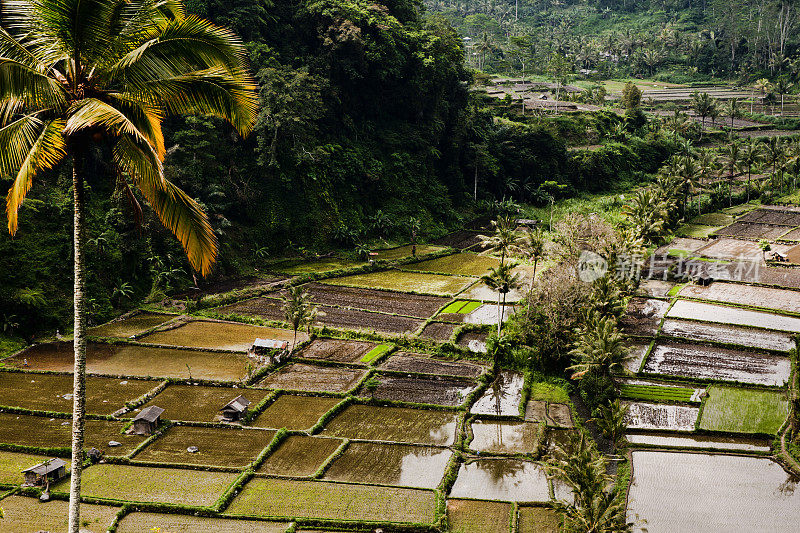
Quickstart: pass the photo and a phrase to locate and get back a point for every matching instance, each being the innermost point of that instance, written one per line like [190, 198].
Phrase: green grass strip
[656, 393]
[376, 352]
[454, 307]
[470, 307]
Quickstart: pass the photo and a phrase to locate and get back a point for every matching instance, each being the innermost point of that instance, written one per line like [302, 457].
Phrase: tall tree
[75, 74]
[502, 279]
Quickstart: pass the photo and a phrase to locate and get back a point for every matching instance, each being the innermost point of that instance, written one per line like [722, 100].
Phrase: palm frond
[44, 153]
[21, 82]
[177, 211]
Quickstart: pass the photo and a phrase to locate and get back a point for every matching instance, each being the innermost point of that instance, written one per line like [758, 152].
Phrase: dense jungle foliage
[366, 120]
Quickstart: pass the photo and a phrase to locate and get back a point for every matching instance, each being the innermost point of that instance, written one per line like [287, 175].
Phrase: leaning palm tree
[752, 155]
[502, 279]
[78, 73]
[504, 238]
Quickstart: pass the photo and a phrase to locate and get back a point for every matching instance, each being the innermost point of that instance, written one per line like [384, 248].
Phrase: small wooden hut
[45, 473]
[235, 409]
[146, 422]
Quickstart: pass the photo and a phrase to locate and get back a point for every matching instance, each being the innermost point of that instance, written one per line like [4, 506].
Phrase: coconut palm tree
[706, 165]
[610, 420]
[502, 279]
[646, 212]
[733, 156]
[504, 238]
[298, 310]
[78, 73]
[599, 347]
[752, 155]
[733, 110]
[689, 173]
[702, 105]
[774, 155]
[763, 86]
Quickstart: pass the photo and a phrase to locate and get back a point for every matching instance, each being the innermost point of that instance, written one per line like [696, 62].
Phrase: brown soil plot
[304, 377]
[295, 412]
[356, 319]
[748, 295]
[423, 364]
[413, 305]
[644, 316]
[438, 331]
[299, 455]
[340, 351]
[435, 390]
[743, 336]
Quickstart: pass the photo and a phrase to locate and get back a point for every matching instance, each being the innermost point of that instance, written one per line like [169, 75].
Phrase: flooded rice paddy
[449, 391]
[53, 392]
[503, 397]
[748, 295]
[133, 360]
[655, 287]
[295, 412]
[733, 316]
[233, 447]
[502, 479]
[394, 424]
[717, 442]
[390, 464]
[473, 341]
[506, 437]
[232, 336]
[305, 377]
[424, 364]
[644, 415]
[299, 455]
[705, 362]
[637, 351]
[12, 464]
[723, 333]
[704, 492]
[131, 326]
[644, 316]
[197, 403]
[463, 264]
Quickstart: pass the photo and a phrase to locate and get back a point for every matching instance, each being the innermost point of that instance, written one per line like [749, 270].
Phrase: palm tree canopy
[502, 278]
[74, 71]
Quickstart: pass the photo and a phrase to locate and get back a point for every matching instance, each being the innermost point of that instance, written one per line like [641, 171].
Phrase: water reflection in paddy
[502, 479]
[703, 492]
[505, 437]
[502, 397]
[394, 424]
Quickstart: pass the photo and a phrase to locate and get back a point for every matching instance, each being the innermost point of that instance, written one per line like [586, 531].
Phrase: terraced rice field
[314, 266]
[704, 362]
[233, 447]
[642, 415]
[657, 393]
[25, 515]
[396, 280]
[503, 397]
[12, 464]
[157, 485]
[746, 295]
[733, 316]
[406, 304]
[461, 264]
[333, 501]
[299, 455]
[644, 316]
[141, 522]
[423, 364]
[438, 331]
[506, 437]
[437, 390]
[305, 377]
[394, 424]
[717, 442]
[195, 403]
[732, 335]
[736, 410]
[402, 252]
[131, 326]
[538, 520]
[502, 479]
[53, 392]
[295, 412]
[132, 360]
[390, 464]
[339, 351]
[678, 491]
[218, 335]
[475, 516]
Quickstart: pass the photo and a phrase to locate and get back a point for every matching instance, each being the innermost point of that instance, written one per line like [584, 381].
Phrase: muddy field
[476, 515]
[390, 464]
[683, 244]
[423, 364]
[636, 354]
[503, 396]
[502, 479]
[748, 295]
[678, 492]
[356, 319]
[716, 442]
[233, 447]
[462, 264]
[340, 351]
[128, 327]
[644, 316]
[773, 215]
[132, 360]
[263, 307]
[304, 377]
[434, 390]
[742, 336]
[754, 231]
[642, 415]
[552, 414]
[413, 305]
[438, 331]
[474, 341]
[401, 281]
[733, 249]
[140, 522]
[394, 424]
[704, 362]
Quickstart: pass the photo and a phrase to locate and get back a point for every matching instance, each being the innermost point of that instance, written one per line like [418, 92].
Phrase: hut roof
[150, 414]
[238, 404]
[46, 467]
[271, 344]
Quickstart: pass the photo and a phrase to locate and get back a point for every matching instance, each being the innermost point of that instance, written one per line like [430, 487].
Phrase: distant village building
[146, 422]
[268, 351]
[235, 410]
[45, 473]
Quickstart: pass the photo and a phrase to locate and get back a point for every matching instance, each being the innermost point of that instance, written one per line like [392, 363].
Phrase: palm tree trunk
[79, 343]
[499, 314]
[502, 312]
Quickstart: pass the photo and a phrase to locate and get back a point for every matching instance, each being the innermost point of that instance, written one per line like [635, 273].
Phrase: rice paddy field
[25, 515]
[147, 522]
[198, 403]
[733, 410]
[397, 280]
[471, 516]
